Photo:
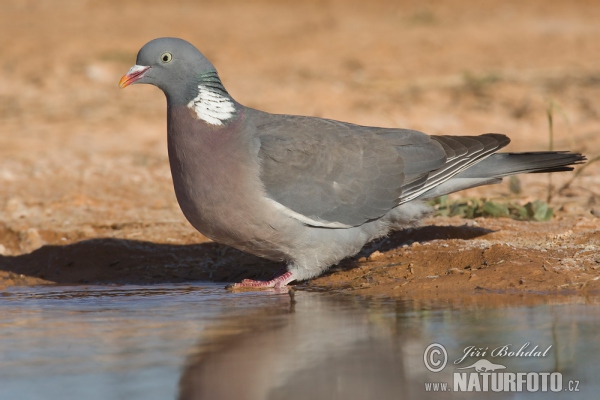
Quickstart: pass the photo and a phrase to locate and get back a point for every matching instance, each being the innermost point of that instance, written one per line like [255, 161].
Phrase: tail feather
[505, 164]
[470, 166]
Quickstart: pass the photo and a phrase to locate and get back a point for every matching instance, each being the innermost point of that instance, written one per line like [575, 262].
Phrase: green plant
[473, 208]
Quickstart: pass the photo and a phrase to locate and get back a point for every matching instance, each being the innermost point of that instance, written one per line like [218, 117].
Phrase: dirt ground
[85, 187]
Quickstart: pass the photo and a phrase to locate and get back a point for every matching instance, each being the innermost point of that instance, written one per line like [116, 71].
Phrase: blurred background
[80, 158]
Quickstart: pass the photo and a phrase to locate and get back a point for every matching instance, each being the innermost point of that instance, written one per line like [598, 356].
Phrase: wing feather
[335, 173]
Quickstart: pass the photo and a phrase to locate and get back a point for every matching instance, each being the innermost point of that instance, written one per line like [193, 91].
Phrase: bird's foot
[278, 282]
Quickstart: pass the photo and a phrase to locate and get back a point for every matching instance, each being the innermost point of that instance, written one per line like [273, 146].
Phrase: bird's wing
[462, 152]
[333, 174]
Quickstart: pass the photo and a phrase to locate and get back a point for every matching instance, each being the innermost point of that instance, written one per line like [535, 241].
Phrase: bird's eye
[166, 57]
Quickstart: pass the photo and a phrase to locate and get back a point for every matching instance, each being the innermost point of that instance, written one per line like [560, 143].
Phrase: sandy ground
[85, 188]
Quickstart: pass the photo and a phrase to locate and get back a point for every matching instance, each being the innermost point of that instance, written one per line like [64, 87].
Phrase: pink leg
[278, 282]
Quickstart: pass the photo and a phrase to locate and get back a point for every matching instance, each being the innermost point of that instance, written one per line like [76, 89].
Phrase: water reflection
[200, 342]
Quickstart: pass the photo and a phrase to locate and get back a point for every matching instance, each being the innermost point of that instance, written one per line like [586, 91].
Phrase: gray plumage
[306, 190]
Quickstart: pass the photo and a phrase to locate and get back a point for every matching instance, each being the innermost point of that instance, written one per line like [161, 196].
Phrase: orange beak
[135, 73]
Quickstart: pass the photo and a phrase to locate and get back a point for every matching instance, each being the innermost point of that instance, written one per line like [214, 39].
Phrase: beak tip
[123, 82]
[135, 73]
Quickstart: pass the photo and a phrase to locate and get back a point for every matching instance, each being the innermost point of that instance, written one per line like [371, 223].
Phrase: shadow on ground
[122, 261]
[421, 235]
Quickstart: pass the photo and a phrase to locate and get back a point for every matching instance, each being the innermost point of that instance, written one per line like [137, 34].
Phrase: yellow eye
[166, 57]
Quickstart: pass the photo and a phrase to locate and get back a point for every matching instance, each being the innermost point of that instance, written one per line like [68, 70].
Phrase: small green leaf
[541, 211]
[514, 185]
[495, 209]
[519, 212]
[443, 200]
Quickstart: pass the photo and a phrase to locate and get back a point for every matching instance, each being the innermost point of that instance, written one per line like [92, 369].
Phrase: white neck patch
[211, 106]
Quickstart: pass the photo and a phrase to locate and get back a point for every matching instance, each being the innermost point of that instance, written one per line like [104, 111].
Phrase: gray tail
[490, 169]
[504, 164]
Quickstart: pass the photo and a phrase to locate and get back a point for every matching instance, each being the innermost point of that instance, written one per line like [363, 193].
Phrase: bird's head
[171, 64]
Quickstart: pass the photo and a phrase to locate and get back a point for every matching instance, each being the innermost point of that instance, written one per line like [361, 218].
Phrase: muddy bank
[450, 258]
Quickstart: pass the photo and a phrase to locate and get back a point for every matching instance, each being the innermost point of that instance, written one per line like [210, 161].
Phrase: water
[201, 342]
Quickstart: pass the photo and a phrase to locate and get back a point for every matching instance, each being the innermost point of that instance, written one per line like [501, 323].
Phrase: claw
[278, 282]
